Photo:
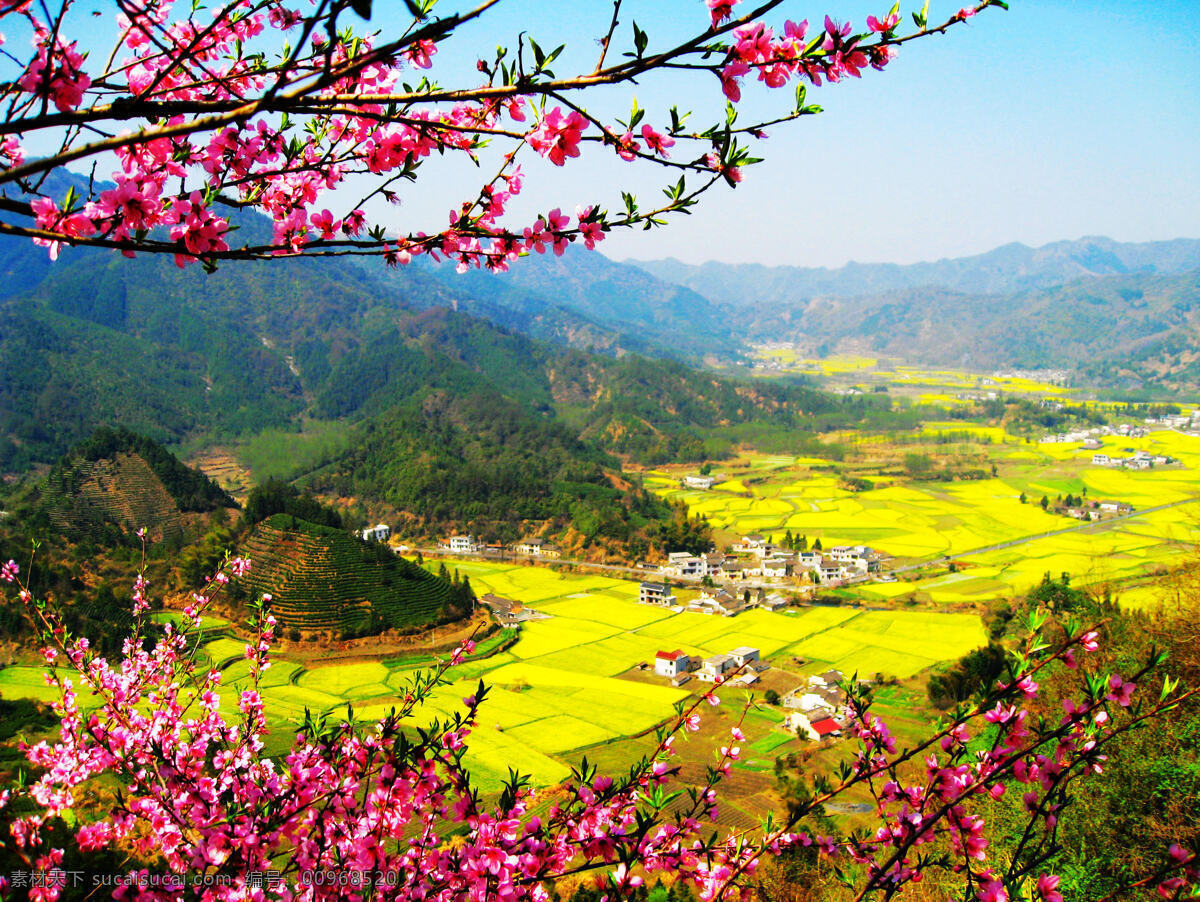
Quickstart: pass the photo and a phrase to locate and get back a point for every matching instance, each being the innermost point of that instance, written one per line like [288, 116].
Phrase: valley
[971, 487]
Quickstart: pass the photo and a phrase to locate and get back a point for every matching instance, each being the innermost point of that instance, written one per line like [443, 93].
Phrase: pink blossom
[658, 143]
[1047, 888]
[720, 10]
[557, 136]
[887, 23]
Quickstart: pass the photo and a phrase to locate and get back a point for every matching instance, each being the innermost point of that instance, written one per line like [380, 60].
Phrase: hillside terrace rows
[123, 490]
[324, 580]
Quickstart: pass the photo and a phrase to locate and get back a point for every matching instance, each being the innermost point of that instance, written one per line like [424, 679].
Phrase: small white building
[684, 565]
[462, 545]
[744, 654]
[655, 593]
[530, 546]
[1101, 460]
[776, 568]
[671, 663]
[715, 668]
[698, 482]
[380, 532]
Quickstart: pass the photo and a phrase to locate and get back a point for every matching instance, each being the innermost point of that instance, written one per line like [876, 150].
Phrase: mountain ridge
[1008, 268]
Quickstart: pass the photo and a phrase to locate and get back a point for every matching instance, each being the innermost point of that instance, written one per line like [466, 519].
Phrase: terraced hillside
[121, 490]
[325, 580]
[117, 482]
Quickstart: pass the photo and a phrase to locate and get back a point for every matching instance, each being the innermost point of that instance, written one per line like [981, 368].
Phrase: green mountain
[450, 420]
[596, 303]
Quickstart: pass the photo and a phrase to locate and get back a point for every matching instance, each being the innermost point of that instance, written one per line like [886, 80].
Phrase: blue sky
[1052, 121]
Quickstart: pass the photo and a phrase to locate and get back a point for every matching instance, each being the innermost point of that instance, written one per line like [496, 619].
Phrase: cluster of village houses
[1098, 509]
[1091, 436]
[754, 557]
[711, 600]
[1141, 460]
[816, 708]
[470, 545]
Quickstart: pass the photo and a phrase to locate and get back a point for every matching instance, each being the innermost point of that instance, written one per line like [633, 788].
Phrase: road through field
[1080, 527]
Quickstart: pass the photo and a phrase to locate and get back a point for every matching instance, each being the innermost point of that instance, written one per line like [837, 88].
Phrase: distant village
[1185, 423]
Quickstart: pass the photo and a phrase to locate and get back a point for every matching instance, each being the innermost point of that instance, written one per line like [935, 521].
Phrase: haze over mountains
[1116, 314]
[1009, 269]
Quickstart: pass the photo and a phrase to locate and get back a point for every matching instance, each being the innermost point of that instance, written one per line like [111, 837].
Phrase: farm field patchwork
[563, 687]
[916, 521]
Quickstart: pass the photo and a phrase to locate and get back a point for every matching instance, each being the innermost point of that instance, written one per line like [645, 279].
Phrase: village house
[507, 611]
[714, 668]
[656, 594]
[551, 551]
[751, 544]
[776, 568]
[813, 730]
[808, 560]
[831, 570]
[380, 532]
[744, 654]
[529, 546]
[717, 601]
[1101, 460]
[819, 695]
[733, 569]
[699, 482]
[461, 545]
[671, 663]
[713, 564]
[773, 602]
[683, 565]
[1116, 507]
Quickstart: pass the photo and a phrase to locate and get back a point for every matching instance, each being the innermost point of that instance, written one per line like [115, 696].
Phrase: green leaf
[640, 40]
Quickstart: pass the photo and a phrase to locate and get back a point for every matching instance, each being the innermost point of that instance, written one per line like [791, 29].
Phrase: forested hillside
[117, 482]
[446, 419]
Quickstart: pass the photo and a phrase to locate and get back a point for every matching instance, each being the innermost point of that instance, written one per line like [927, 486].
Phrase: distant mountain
[1116, 314]
[583, 299]
[1073, 326]
[1005, 270]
